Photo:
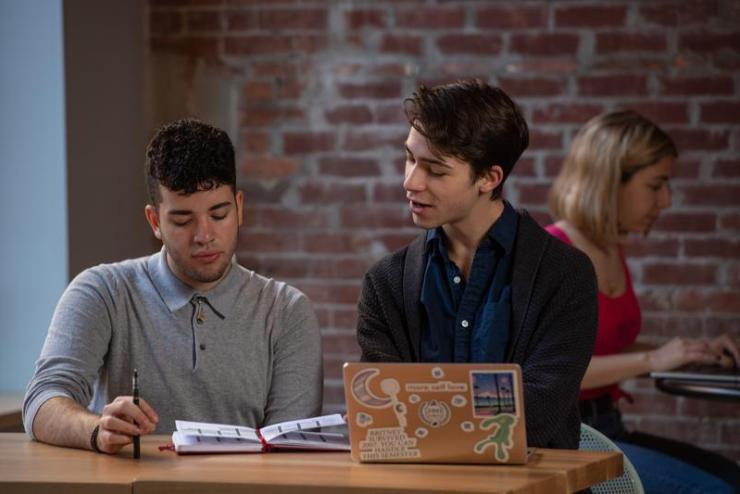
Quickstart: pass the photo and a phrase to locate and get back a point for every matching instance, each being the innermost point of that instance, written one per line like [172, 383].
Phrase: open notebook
[201, 437]
[435, 413]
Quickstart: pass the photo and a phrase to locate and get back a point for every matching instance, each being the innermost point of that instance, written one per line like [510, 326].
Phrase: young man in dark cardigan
[484, 282]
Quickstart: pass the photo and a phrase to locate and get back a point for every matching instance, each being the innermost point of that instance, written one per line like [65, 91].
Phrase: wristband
[94, 439]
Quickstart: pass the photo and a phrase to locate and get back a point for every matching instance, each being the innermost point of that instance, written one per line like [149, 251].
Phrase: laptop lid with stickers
[435, 413]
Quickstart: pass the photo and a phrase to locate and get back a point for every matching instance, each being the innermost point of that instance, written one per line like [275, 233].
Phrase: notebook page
[272, 431]
[312, 440]
[204, 429]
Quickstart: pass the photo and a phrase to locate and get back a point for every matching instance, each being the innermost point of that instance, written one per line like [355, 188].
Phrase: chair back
[627, 483]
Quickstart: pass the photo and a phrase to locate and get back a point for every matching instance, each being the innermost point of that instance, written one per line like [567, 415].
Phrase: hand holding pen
[122, 421]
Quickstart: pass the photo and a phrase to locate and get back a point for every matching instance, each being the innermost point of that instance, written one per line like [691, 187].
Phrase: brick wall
[311, 92]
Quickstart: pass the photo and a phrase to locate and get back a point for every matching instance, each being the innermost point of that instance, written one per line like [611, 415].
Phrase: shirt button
[456, 279]
[202, 346]
[464, 323]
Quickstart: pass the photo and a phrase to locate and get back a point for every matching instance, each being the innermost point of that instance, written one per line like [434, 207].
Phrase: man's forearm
[62, 421]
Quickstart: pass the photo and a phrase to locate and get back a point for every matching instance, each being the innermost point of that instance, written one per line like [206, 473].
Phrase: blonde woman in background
[615, 181]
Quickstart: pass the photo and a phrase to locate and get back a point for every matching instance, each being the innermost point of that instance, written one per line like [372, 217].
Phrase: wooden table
[10, 412]
[27, 466]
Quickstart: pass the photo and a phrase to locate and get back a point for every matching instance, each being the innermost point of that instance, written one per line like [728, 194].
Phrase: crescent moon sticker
[361, 391]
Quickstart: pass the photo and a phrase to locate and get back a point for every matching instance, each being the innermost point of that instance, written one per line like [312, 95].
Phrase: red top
[619, 323]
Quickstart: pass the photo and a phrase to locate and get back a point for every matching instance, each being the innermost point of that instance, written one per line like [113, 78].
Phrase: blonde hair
[605, 153]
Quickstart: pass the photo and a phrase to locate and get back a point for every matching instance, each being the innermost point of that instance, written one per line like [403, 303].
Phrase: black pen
[137, 440]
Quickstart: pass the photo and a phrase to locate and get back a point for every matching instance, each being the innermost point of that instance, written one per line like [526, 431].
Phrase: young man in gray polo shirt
[211, 340]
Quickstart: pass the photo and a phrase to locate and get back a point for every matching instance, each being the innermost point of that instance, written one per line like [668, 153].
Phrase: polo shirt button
[202, 346]
[457, 280]
[464, 323]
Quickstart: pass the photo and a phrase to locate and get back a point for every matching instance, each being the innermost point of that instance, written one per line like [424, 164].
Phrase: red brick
[374, 90]
[385, 216]
[390, 69]
[717, 326]
[355, 114]
[699, 139]
[280, 218]
[512, 17]
[532, 86]
[289, 88]
[545, 140]
[547, 44]
[678, 273]
[340, 344]
[431, 17]
[726, 169]
[712, 195]
[661, 112]
[261, 116]
[385, 192]
[710, 42]
[686, 222]
[390, 113]
[240, 20]
[687, 86]
[577, 113]
[650, 403]
[165, 22]
[721, 112]
[345, 319]
[344, 293]
[395, 241]
[393, 43]
[629, 42]
[292, 19]
[612, 85]
[268, 167]
[348, 166]
[649, 247]
[482, 44]
[731, 431]
[590, 16]
[696, 428]
[682, 12]
[341, 243]
[358, 19]
[730, 221]
[373, 139]
[257, 45]
[268, 242]
[309, 43]
[307, 142]
[525, 167]
[197, 21]
[201, 47]
[553, 164]
[713, 247]
[258, 192]
[685, 168]
[258, 91]
[533, 193]
[658, 300]
[330, 193]
[256, 142]
[282, 69]
[707, 301]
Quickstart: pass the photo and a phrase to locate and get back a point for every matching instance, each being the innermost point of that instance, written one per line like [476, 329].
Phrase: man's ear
[239, 197]
[152, 217]
[491, 179]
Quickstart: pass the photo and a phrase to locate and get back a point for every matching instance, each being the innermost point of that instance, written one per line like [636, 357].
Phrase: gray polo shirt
[246, 352]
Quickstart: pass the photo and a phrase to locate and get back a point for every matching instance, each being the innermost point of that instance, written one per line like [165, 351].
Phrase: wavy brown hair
[471, 121]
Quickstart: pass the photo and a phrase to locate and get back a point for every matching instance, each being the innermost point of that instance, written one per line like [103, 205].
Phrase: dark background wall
[311, 93]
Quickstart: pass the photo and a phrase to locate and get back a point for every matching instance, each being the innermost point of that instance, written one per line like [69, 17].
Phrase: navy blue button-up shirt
[468, 321]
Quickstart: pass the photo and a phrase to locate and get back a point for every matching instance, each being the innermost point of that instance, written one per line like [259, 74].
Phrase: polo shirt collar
[177, 294]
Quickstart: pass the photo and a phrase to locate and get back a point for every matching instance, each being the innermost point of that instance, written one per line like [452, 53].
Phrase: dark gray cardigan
[553, 324]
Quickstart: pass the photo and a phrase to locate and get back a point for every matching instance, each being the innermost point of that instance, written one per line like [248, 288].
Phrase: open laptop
[701, 373]
[435, 413]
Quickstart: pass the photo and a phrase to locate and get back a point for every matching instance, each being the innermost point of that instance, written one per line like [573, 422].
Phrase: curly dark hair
[472, 121]
[188, 156]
